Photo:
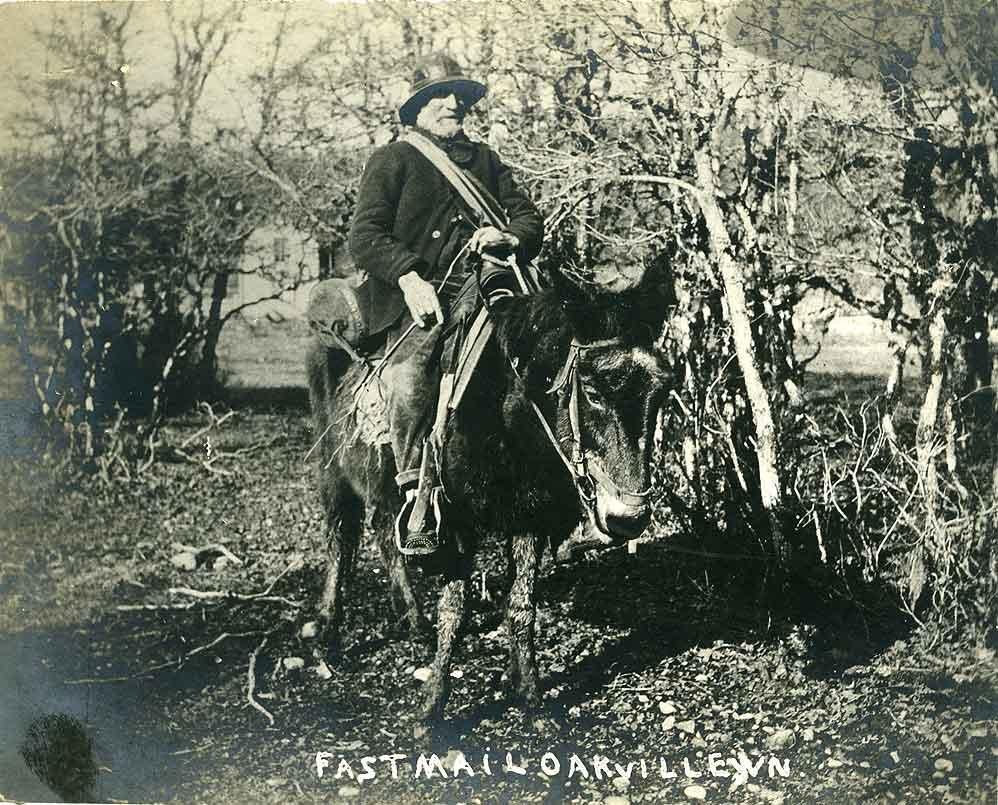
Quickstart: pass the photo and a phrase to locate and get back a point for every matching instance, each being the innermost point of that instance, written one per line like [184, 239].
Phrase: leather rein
[586, 470]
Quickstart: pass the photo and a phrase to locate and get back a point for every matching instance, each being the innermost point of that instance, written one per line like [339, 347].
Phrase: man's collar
[459, 148]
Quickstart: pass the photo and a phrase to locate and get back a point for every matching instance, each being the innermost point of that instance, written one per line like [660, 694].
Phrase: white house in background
[276, 256]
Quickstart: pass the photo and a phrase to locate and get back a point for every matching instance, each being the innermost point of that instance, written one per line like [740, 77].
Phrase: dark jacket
[409, 218]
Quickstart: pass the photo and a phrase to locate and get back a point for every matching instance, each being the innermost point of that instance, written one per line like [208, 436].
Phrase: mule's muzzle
[620, 518]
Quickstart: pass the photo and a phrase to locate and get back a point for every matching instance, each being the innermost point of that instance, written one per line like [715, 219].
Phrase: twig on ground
[251, 680]
[214, 546]
[228, 595]
[213, 422]
[97, 680]
[295, 563]
[151, 607]
[177, 664]
[241, 451]
[194, 749]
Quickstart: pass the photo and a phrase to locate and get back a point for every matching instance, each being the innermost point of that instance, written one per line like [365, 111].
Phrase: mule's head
[611, 385]
[612, 403]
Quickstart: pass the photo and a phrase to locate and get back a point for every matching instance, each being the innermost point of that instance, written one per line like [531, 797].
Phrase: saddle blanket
[371, 412]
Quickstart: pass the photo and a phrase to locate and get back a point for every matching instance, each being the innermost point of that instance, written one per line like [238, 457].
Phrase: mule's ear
[641, 311]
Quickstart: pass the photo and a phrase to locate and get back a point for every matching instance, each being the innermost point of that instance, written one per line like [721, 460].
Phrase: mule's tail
[325, 368]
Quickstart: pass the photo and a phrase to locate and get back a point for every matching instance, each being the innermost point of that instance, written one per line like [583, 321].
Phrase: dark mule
[501, 472]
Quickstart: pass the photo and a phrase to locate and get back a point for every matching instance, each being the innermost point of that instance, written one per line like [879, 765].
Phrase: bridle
[586, 470]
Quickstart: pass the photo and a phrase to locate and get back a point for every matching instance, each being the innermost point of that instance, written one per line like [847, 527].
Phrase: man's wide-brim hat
[435, 74]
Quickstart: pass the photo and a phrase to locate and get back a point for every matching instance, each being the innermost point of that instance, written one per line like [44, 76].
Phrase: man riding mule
[555, 424]
[425, 202]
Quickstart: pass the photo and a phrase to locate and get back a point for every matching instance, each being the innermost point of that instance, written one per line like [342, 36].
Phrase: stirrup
[425, 541]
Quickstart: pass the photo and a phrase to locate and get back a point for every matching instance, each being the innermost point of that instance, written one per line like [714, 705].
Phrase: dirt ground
[660, 656]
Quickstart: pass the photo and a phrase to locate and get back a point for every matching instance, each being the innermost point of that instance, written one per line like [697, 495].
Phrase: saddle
[370, 405]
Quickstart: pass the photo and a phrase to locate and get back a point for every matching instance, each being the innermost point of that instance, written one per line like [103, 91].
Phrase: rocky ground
[665, 680]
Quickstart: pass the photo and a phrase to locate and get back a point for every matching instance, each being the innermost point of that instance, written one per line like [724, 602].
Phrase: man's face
[442, 115]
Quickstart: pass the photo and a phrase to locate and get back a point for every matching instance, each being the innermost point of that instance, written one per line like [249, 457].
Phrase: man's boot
[417, 526]
[417, 523]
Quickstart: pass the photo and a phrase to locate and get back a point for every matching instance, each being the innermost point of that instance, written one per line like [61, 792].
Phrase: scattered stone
[832, 763]
[322, 670]
[348, 792]
[457, 673]
[293, 663]
[895, 757]
[421, 674]
[977, 732]
[781, 739]
[669, 723]
[695, 792]
[621, 784]
[808, 734]
[221, 563]
[185, 561]
[276, 782]
[689, 727]
[309, 630]
[615, 800]
[453, 756]
[701, 678]
[943, 764]
[666, 708]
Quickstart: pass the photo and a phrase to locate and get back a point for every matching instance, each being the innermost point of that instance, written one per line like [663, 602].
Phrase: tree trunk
[926, 431]
[734, 289]
[899, 347]
[208, 367]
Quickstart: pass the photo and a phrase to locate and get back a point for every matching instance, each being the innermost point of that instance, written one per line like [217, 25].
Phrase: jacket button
[435, 233]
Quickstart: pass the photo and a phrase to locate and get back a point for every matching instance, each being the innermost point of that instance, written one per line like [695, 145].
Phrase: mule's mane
[535, 332]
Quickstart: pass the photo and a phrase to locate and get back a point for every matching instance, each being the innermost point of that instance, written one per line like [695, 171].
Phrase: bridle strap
[586, 471]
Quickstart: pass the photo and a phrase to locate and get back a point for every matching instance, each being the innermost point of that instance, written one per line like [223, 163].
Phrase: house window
[280, 250]
[325, 261]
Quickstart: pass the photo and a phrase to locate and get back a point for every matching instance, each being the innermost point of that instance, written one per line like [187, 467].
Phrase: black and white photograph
[475, 402]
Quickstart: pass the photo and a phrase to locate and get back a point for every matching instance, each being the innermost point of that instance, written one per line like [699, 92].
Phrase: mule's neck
[535, 332]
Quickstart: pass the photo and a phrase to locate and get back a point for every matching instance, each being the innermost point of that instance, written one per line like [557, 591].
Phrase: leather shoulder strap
[475, 195]
[471, 191]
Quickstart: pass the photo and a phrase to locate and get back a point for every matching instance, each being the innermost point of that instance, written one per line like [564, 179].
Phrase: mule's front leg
[520, 615]
[450, 614]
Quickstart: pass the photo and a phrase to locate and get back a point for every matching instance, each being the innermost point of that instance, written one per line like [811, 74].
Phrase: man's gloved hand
[490, 239]
[421, 298]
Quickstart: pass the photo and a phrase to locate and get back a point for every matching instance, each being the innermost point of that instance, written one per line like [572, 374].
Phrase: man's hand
[490, 239]
[421, 298]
